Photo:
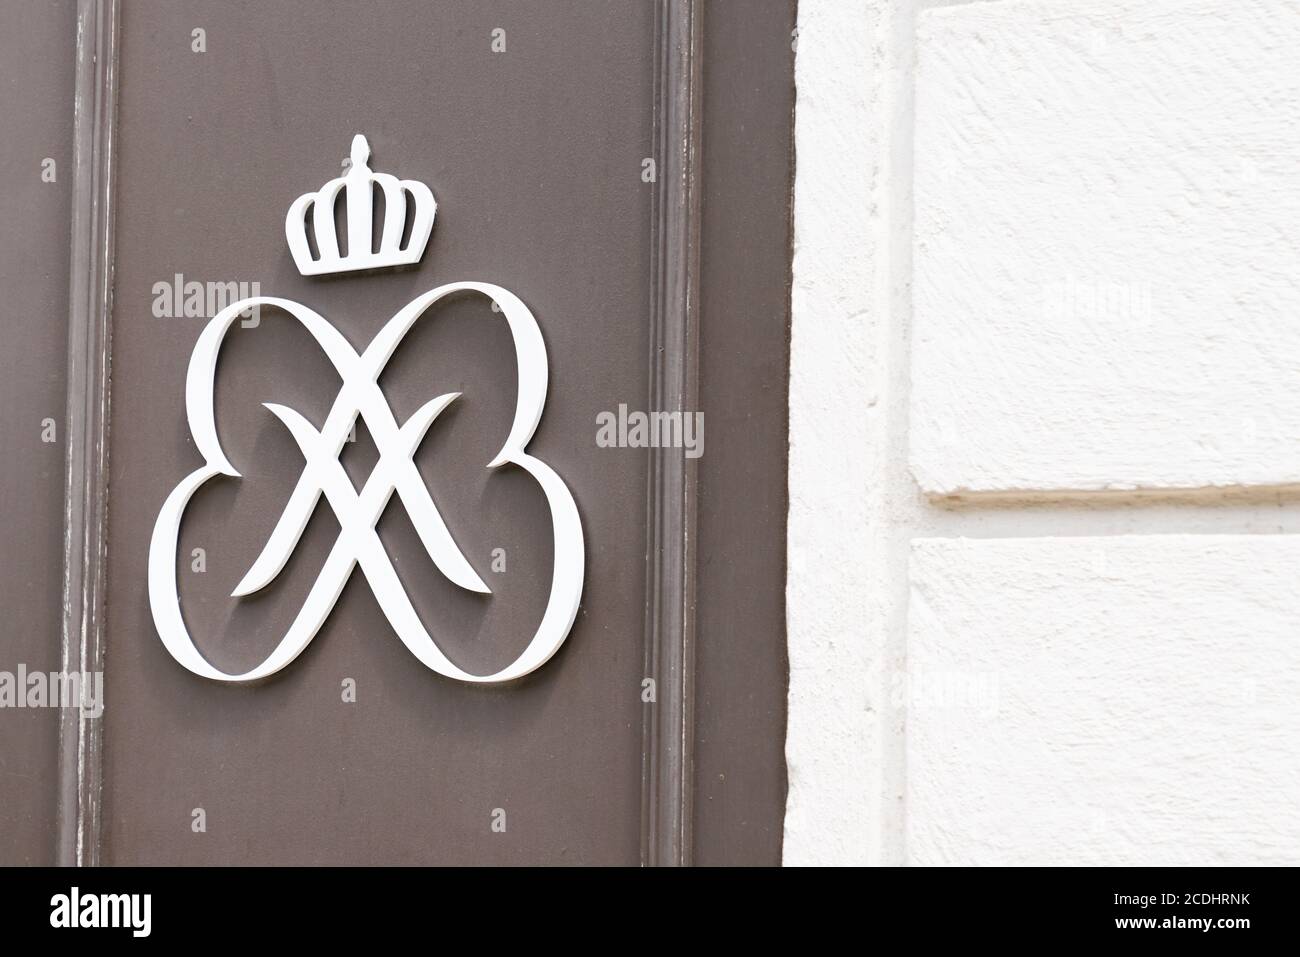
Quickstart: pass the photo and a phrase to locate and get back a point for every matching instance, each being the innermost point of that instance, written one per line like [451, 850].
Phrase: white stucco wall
[1044, 432]
[834, 772]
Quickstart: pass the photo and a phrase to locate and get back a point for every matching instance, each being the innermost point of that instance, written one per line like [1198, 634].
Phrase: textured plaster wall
[1045, 446]
[835, 789]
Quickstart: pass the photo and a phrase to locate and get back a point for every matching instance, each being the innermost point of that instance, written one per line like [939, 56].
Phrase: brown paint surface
[744, 357]
[37, 41]
[534, 157]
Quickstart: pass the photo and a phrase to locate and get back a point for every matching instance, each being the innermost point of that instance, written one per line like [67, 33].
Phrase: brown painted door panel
[532, 123]
[37, 46]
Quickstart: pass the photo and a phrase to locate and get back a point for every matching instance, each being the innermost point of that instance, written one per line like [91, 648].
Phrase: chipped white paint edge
[832, 754]
[854, 506]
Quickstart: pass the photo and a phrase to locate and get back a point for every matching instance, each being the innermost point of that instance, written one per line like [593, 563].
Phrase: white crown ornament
[358, 186]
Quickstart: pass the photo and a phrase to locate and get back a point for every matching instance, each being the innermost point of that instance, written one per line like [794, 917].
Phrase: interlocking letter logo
[395, 472]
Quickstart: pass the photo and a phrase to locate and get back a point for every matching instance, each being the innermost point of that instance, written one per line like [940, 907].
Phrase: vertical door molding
[86, 476]
[674, 358]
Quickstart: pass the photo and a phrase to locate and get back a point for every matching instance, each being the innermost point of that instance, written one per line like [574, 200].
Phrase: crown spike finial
[360, 152]
[406, 202]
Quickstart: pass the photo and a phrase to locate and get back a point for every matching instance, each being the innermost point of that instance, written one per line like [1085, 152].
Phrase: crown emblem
[403, 199]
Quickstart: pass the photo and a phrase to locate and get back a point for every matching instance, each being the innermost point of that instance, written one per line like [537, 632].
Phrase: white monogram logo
[358, 512]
